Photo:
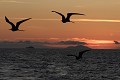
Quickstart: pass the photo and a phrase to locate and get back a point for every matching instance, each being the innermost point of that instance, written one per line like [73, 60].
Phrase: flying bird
[80, 54]
[67, 19]
[116, 42]
[16, 27]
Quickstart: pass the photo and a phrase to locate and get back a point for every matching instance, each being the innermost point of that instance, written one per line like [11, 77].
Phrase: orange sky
[102, 20]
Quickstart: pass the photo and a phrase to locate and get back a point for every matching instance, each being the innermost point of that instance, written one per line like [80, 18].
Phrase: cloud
[71, 42]
[12, 1]
[79, 20]
[74, 40]
[59, 42]
[27, 43]
[34, 19]
[52, 39]
[23, 44]
[97, 20]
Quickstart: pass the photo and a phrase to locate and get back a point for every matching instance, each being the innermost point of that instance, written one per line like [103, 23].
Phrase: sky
[100, 25]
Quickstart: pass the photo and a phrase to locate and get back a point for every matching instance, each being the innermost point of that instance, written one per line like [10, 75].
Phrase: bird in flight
[80, 54]
[116, 42]
[67, 19]
[16, 27]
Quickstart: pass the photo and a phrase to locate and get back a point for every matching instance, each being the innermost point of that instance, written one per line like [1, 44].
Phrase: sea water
[54, 64]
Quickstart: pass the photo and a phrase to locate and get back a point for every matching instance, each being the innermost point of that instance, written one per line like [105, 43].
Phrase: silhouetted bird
[80, 54]
[15, 27]
[67, 19]
[116, 42]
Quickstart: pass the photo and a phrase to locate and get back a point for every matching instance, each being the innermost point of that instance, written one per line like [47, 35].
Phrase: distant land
[24, 44]
[61, 44]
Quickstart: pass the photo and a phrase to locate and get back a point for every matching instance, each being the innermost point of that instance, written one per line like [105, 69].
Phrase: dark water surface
[53, 64]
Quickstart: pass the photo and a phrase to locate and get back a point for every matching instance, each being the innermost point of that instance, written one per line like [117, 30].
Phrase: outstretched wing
[63, 17]
[81, 53]
[18, 23]
[7, 20]
[70, 14]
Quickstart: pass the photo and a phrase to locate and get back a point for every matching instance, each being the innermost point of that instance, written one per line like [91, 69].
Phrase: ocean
[54, 64]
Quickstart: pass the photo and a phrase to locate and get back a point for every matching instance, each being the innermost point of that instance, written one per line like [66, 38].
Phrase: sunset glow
[100, 25]
[96, 20]
[99, 41]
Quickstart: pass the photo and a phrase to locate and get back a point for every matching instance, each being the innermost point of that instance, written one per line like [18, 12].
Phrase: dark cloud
[78, 47]
[71, 43]
[27, 43]
[22, 44]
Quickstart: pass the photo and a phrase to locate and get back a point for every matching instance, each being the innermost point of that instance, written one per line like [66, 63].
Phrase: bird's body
[67, 19]
[15, 27]
[80, 54]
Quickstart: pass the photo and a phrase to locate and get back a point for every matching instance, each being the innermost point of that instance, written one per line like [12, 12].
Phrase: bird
[16, 27]
[80, 54]
[116, 42]
[67, 19]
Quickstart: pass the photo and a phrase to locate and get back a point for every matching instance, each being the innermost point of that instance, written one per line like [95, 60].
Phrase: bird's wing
[7, 20]
[81, 53]
[18, 23]
[70, 14]
[63, 17]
